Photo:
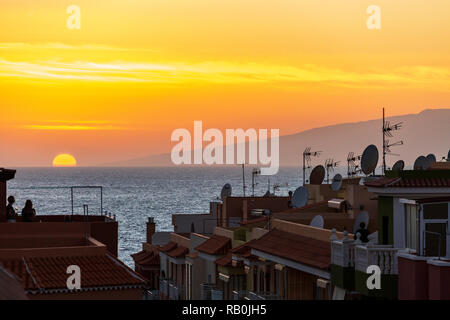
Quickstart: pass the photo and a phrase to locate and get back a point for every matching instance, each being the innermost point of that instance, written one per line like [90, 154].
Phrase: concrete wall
[412, 278]
[202, 223]
[305, 230]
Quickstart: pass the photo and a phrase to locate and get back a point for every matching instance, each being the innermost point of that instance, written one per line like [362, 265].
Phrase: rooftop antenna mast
[387, 132]
[330, 164]
[307, 154]
[352, 166]
[255, 172]
[243, 178]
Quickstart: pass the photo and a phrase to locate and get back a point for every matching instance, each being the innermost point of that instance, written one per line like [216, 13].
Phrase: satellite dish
[317, 175]
[226, 191]
[369, 159]
[421, 163]
[317, 222]
[300, 197]
[431, 158]
[363, 216]
[448, 156]
[398, 166]
[337, 182]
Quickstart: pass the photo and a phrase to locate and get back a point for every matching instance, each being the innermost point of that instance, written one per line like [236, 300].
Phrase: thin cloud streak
[221, 72]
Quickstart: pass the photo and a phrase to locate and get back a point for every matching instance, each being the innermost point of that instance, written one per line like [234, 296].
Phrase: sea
[134, 194]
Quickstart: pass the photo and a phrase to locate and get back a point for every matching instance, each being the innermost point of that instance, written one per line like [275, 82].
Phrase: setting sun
[64, 160]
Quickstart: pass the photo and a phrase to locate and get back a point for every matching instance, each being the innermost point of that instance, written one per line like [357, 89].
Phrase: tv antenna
[352, 166]
[278, 186]
[243, 178]
[307, 154]
[388, 128]
[255, 172]
[330, 164]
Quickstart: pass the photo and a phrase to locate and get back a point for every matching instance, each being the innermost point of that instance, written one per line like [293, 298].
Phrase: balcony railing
[385, 257]
[240, 295]
[263, 296]
[349, 253]
[151, 295]
[176, 291]
[343, 253]
[250, 295]
[209, 291]
[164, 286]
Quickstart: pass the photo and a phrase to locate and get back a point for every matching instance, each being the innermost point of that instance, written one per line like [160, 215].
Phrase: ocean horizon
[135, 193]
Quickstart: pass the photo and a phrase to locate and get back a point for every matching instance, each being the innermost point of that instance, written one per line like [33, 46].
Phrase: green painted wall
[389, 286]
[385, 209]
[343, 277]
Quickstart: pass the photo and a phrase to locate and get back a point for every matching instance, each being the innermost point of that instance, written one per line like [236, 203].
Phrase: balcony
[350, 260]
[384, 257]
[176, 291]
[209, 291]
[164, 287]
[151, 295]
[250, 295]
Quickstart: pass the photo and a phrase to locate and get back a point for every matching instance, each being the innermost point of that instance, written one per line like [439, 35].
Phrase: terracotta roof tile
[168, 247]
[225, 261]
[47, 273]
[409, 183]
[294, 247]
[146, 258]
[216, 245]
[178, 252]
[444, 165]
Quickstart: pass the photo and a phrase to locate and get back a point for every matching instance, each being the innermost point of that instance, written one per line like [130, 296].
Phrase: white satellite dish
[226, 191]
[369, 159]
[300, 197]
[398, 166]
[421, 163]
[363, 216]
[337, 182]
[431, 158]
[317, 222]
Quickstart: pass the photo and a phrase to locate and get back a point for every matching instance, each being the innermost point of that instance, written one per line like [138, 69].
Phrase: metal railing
[250, 295]
[209, 291]
[151, 295]
[263, 296]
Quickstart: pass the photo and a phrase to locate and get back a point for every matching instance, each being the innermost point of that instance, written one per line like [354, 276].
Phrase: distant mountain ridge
[422, 133]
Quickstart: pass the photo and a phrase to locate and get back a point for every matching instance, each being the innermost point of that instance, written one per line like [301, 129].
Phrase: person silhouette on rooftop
[11, 213]
[364, 233]
[28, 212]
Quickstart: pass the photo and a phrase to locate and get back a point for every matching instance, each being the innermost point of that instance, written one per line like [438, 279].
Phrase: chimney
[151, 228]
[5, 175]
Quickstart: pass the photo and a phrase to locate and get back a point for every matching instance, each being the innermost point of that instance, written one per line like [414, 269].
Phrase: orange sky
[137, 70]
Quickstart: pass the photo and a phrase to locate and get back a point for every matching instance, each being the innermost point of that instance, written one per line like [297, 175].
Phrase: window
[412, 222]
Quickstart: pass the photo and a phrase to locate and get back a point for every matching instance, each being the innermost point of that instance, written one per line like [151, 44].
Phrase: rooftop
[226, 260]
[215, 245]
[407, 182]
[294, 247]
[146, 258]
[49, 274]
